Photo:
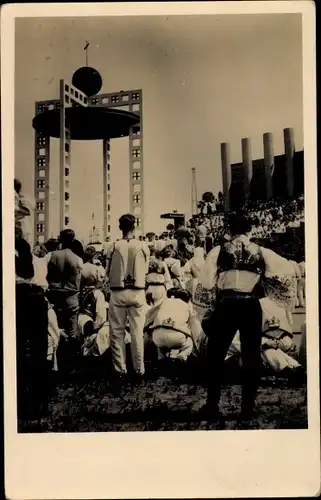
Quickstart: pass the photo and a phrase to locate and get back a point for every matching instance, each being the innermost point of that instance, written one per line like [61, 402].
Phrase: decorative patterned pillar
[136, 170]
[41, 180]
[129, 100]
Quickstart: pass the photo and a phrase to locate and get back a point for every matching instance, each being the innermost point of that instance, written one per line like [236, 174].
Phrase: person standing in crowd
[88, 268]
[24, 207]
[51, 245]
[78, 250]
[40, 267]
[33, 372]
[183, 236]
[100, 268]
[301, 285]
[234, 270]
[64, 274]
[160, 243]
[126, 270]
[201, 233]
[297, 278]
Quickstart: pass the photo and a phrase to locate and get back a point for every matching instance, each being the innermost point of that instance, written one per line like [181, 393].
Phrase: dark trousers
[232, 314]
[33, 370]
[66, 307]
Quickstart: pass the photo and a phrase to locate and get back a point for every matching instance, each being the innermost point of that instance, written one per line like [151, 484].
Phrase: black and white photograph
[161, 260]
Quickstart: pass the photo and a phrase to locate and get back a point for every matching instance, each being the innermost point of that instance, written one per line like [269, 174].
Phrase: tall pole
[247, 166]
[289, 149]
[268, 164]
[226, 174]
[106, 182]
[86, 50]
[194, 192]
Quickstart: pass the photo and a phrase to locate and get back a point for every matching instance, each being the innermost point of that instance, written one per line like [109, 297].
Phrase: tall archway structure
[81, 113]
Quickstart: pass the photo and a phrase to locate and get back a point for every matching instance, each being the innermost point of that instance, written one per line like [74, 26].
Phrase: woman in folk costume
[200, 296]
[235, 270]
[174, 326]
[277, 340]
[158, 279]
[92, 318]
[174, 267]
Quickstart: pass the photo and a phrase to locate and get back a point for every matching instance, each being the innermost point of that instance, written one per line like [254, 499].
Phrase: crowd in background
[150, 296]
[267, 218]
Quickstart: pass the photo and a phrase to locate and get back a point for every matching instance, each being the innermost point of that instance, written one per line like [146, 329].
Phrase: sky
[205, 80]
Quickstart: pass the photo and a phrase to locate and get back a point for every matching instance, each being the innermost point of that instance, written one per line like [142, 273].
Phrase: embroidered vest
[128, 265]
[236, 255]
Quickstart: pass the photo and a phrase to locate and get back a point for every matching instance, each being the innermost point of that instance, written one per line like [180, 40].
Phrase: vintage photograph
[159, 215]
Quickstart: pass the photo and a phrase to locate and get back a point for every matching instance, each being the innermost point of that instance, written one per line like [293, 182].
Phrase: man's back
[127, 264]
[64, 271]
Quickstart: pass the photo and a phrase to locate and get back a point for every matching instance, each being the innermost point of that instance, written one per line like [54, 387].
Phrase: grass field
[86, 403]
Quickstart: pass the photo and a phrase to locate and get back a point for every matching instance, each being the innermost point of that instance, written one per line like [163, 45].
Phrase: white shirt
[40, 268]
[173, 314]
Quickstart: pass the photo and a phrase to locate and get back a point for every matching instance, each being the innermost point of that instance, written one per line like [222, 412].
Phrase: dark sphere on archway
[88, 80]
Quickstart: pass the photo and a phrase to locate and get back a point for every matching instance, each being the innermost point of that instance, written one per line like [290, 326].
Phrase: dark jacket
[64, 272]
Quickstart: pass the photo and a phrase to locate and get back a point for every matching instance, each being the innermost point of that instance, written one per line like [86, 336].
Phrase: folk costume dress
[158, 280]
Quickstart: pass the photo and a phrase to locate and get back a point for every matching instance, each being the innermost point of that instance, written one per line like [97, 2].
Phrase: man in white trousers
[126, 269]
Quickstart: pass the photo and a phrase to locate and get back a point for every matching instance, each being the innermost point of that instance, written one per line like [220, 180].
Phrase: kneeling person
[171, 328]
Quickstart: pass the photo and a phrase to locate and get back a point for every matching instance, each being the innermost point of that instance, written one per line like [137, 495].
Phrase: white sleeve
[275, 265]
[208, 273]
